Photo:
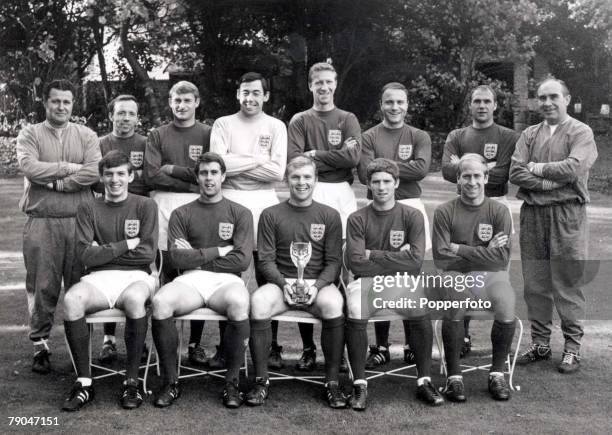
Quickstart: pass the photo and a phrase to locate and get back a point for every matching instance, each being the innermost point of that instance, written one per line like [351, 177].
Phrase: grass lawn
[548, 402]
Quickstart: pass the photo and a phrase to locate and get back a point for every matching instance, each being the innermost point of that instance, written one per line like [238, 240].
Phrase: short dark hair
[122, 97]
[320, 66]
[471, 157]
[209, 157]
[60, 85]
[112, 159]
[300, 162]
[393, 85]
[564, 87]
[252, 77]
[486, 88]
[382, 165]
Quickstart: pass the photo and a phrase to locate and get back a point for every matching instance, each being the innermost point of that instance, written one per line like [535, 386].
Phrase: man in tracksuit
[551, 166]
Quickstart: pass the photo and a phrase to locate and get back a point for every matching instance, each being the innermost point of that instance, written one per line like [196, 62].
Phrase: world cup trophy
[300, 255]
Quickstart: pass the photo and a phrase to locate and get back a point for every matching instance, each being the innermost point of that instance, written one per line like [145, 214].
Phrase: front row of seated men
[211, 240]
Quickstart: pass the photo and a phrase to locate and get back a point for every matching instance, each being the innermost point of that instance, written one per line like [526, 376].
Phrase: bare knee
[162, 306]
[237, 300]
[329, 303]
[261, 305]
[134, 303]
[75, 304]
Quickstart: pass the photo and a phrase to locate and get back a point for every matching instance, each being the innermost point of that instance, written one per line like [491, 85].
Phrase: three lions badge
[226, 230]
[265, 143]
[136, 158]
[396, 238]
[485, 232]
[131, 227]
[317, 231]
[334, 137]
[490, 151]
[195, 151]
[404, 151]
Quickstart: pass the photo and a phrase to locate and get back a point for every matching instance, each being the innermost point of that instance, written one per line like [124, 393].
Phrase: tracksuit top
[326, 132]
[495, 143]
[207, 227]
[568, 155]
[43, 153]
[254, 150]
[409, 147]
[110, 224]
[471, 227]
[133, 147]
[384, 233]
[178, 146]
[284, 223]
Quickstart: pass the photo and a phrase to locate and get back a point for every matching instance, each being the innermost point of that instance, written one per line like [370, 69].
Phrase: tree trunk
[142, 75]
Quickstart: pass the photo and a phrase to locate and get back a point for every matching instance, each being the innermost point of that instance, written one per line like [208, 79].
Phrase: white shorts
[167, 202]
[339, 196]
[418, 204]
[254, 200]
[111, 283]
[207, 283]
[505, 202]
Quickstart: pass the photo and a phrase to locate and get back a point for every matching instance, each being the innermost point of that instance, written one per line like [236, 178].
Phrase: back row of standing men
[550, 164]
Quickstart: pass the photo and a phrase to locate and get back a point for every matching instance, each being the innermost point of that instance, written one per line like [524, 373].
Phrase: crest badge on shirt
[490, 151]
[265, 143]
[396, 238]
[317, 231]
[485, 232]
[334, 137]
[226, 230]
[131, 227]
[136, 158]
[404, 151]
[195, 151]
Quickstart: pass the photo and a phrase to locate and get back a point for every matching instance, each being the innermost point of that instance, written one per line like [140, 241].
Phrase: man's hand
[312, 292]
[498, 241]
[454, 159]
[73, 168]
[224, 250]
[311, 153]
[182, 244]
[350, 143]
[94, 243]
[132, 243]
[367, 254]
[167, 169]
[288, 293]
[49, 186]
[454, 247]
[491, 165]
[406, 247]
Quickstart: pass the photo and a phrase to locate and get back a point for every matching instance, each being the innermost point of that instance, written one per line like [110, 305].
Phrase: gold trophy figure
[300, 255]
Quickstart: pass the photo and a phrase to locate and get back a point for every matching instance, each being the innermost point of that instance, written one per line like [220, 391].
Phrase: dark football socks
[195, 331]
[261, 338]
[307, 334]
[420, 340]
[165, 337]
[275, 333]
[502, 334]
[77, 335]
[452, 336]
[332, 343]
[381, 330]
[135, 334]
[357, 345]
[222, 326]
[407, 331]
[235, 339]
